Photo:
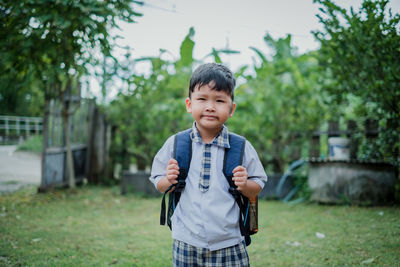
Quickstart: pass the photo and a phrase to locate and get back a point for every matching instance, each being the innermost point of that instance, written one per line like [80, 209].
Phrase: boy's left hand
[240, 177]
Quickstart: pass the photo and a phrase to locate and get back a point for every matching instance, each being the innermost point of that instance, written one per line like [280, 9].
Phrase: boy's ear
[188, 105]
[232, 109]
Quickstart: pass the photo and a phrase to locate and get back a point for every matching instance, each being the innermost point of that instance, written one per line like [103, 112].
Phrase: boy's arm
[160, 165]
[250, 178]
[163, 184]
[247, 187]
[172, 173]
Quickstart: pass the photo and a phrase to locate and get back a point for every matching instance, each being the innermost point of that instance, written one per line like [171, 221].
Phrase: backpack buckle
[180, 185]
[234, 192]
[182, 174]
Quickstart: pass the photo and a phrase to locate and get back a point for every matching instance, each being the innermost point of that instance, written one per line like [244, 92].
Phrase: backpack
[233, 157]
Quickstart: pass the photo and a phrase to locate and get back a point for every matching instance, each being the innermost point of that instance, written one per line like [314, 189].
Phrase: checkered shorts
[185, 255]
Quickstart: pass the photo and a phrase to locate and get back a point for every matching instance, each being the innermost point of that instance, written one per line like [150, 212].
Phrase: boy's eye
[201, 98]
[221, 101]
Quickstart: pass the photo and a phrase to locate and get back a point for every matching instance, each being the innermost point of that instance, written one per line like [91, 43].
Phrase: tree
[280, 105]
[53, 43]
[277, 107]
[154, 106]
[361, 52]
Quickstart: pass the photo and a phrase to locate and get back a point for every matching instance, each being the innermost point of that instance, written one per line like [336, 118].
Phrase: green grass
[9, 182]
[33, 144]
[96, 226]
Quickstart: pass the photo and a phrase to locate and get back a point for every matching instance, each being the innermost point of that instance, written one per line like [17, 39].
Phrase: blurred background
[99, 86]
[90, 90]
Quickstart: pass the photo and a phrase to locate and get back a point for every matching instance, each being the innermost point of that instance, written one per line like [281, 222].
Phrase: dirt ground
[18, 169]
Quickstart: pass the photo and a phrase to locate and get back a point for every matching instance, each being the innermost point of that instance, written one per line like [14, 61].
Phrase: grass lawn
[96, 226]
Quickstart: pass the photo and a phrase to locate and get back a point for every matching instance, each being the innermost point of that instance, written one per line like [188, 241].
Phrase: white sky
[234, 24]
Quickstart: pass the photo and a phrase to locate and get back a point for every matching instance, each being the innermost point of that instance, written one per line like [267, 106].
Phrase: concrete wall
[270, 189]
[352, 182]
[137, 182]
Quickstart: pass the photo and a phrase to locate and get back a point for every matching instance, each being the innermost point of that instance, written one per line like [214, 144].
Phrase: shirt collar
[221, 140]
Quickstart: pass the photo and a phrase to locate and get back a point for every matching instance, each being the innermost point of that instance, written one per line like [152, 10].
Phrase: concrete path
[18, 169]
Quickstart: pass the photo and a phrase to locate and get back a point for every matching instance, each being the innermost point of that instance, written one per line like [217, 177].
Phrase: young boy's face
[210, 108]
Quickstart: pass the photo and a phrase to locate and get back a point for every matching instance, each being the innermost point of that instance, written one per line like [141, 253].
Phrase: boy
[205, 224]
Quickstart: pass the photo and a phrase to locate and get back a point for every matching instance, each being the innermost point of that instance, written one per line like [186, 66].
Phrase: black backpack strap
[233, 158]
[182, 154]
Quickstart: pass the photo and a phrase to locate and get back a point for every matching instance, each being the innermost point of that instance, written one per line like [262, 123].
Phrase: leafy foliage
[275, 107]
[32, 144]
[154, 107]
[53, 43]
[48, 44]
[280, 105]
[361, 52]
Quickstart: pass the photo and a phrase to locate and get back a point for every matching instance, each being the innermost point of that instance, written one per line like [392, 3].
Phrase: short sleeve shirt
[207, 219]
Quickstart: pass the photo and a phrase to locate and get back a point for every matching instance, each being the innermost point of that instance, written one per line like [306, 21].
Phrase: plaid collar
[221, 140]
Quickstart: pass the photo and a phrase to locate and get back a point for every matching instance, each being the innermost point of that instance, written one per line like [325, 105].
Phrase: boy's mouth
[210, 117]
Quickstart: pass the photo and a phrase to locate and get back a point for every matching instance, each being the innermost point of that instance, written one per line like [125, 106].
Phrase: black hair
[212, 72]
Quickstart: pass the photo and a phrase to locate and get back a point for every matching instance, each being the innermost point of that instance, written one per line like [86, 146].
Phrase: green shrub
[32, 144]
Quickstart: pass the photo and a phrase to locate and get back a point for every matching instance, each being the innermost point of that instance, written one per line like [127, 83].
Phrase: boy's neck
[207, 136]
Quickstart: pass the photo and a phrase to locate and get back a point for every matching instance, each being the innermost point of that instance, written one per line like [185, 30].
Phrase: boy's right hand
[172, 171]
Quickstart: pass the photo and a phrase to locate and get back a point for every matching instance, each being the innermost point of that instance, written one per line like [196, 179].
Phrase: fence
[352, 132]
[89, 138]
[78, 124]
[12, 128]
[55, 172]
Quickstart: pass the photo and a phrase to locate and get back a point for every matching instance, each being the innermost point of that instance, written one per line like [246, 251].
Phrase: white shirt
[207, 219]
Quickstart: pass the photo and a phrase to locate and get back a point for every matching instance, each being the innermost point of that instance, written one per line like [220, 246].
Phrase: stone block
[270, 189]
[137, 182]
[352, 182]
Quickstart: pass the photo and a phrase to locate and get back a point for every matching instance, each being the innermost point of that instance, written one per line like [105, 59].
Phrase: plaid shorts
[185, 255]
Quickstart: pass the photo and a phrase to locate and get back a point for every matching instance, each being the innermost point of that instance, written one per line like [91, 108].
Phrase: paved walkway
[18, 169]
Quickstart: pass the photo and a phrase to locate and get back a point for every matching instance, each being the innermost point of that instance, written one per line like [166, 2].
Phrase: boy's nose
[210, 105]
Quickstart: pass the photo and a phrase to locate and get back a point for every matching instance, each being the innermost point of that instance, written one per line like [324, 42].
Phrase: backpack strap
[234, 155]
[233, 158]
[182, 145]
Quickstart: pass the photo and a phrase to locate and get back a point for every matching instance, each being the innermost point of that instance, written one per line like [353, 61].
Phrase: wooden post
[17, 125]
[333, 129]
[7, 126]
[392, 124]
[351, 130]
[27, 127]
[314, 145]
[90, 163]
[371, 128]
[37, 126]
[296, 151]
[45, 137]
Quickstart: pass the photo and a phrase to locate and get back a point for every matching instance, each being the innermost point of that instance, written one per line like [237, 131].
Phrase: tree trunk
[65, 115]
[45, 136]
[91, 162]
[70, 162]
[124, 154]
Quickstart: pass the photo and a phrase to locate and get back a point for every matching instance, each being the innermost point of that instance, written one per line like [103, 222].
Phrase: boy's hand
[240, 177]
[172, 171]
